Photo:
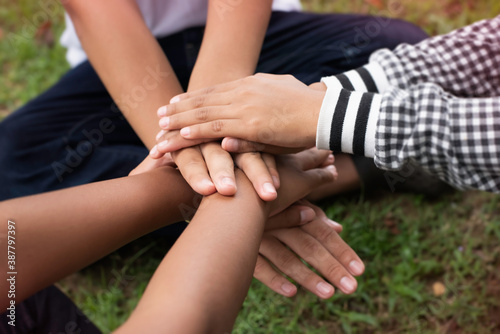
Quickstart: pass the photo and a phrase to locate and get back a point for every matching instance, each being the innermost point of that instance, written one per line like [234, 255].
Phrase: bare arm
[231, 46]
[200, 285]
[127, 58]
[232, 41]
[60, 232]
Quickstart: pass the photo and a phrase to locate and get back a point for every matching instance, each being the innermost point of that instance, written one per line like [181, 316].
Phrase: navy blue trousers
[73, 134]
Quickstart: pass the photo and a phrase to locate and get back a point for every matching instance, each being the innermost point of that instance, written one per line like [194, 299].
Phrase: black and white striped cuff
[348, 121]
[369, 78]
[349, 113]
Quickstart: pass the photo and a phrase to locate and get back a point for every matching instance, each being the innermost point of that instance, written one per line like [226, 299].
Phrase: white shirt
[163, 17]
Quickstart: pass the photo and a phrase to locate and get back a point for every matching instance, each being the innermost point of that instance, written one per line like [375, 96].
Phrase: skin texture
[211, 301]
[273, 250]
[276, 111]
[130, 63]
[68, 229]
[230, 50]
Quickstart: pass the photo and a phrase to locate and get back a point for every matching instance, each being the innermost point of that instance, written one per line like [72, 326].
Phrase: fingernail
[232, 144]
[163, 145]
[153, 151]
[333, 170]
[162, 111]
[276, 181]
[160, 134]
[330, 158]
[269, 188]
[227, 181]
[288, 288]
[206, 184]
[306, 215]
[175, 99]
[164, 122]
[347, 284]
[356, 267]
[332, 223]
[324, 288]
[185, 131]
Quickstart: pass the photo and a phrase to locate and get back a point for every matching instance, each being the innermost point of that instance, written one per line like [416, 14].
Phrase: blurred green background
[432, 266]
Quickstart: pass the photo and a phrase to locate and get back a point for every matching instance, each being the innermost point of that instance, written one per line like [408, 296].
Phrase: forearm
[212, 262]
[127, 58]
[60, 232]
[232, 42]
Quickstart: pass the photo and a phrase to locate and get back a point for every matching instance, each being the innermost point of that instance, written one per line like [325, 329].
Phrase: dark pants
[72, 134]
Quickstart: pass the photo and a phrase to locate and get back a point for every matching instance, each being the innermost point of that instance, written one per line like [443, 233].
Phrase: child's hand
[317, 242]
[270, 109]
[300, 174]
[208, 168]
[149, 164]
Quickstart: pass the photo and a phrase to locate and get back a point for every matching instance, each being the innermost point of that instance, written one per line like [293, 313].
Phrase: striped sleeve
[369, 78]
[348, 118]
[348, 121]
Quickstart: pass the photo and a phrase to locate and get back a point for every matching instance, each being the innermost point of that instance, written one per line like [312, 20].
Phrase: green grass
[408, 243]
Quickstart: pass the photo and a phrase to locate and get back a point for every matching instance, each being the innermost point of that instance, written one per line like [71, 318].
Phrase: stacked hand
[264, 112]
[239, 112]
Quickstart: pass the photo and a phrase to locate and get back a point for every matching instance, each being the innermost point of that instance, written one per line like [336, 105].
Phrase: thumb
[292, 216]
[320, 176]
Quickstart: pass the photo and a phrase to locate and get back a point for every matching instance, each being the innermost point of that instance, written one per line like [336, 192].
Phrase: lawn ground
[432, 266]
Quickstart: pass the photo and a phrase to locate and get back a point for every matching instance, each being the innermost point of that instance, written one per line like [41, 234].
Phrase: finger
[320, 214]
[236, 145]
[194, 103]
[149, 164]
[206, 91]
[329, 160]
[270, 162]
[320, 230]
[257, 172]
[220, 167]
[270, 277]
[215, 129]
[314, 253]
[321, 176]
[290, 265]
[170, 141]
[194, 170]
[281, 77]
[197, 116]
[293, 216]
[312, 158]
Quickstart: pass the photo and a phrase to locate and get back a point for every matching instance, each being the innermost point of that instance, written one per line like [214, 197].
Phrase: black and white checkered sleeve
[436, 103]
[465, 62]
[456, 139]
